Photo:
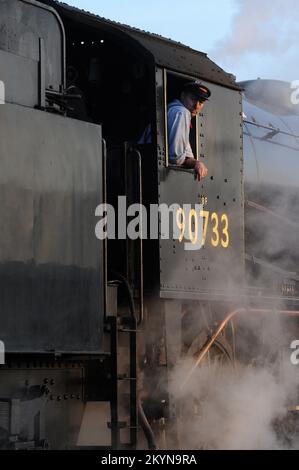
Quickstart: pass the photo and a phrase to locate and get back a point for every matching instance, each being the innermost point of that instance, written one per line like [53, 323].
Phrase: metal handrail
[275, 130]
[134, 151]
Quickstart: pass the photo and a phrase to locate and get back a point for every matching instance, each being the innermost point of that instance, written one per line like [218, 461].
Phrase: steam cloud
[242, 408]
[270, 27]
[246, 406]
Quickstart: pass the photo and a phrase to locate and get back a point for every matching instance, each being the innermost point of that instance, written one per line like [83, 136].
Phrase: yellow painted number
[193, 235]
[206, 216]
[220, 234]
[215, 238]
[225, 240]
[181, 222]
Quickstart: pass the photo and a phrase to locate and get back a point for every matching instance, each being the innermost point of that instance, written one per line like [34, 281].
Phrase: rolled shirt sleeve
[179, 120]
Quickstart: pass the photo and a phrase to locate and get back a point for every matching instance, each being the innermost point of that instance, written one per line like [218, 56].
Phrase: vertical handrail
[165, 117]
[104, 196]
[133, 384]
[114, 425]
[42, 75]
[134, 151]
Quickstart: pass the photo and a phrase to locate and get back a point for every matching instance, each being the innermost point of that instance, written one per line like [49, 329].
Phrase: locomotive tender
[92, 328]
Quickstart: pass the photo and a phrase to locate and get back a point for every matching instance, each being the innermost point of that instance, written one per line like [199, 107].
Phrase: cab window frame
[196, 150]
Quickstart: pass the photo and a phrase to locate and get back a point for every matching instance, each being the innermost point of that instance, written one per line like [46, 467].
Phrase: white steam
[246, 406]
[227, 408]
[267, 27]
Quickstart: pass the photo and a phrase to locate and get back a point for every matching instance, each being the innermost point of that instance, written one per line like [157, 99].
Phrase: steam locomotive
[93, 328]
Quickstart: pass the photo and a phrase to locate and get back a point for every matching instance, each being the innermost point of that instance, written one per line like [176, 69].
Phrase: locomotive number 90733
[215, 227]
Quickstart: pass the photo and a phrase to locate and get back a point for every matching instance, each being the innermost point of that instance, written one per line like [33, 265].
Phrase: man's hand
[201, 170]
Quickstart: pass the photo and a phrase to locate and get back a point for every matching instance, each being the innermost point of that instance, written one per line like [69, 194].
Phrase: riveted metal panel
[212, 270]
[59, 412]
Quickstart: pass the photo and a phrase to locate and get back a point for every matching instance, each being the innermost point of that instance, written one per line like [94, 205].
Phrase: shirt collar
[179, 103]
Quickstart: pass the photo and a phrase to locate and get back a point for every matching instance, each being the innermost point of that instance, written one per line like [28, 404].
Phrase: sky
[249, 38]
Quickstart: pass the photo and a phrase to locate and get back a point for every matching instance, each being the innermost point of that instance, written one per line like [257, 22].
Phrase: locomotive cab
[114, 80]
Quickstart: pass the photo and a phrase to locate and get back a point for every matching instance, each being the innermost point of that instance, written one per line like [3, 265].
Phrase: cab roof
[165, 52]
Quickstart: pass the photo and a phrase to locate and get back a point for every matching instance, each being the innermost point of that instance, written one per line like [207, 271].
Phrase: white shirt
[179, 122]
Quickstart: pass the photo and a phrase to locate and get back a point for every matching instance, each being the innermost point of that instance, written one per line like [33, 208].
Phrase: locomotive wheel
[220, 352]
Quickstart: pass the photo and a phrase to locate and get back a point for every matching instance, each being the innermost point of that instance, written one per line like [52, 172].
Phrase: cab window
[173, 84]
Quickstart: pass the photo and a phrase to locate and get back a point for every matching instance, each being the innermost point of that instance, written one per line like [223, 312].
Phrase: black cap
[198, 90]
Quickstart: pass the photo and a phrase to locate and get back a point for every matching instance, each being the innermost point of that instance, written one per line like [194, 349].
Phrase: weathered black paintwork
[51, 266]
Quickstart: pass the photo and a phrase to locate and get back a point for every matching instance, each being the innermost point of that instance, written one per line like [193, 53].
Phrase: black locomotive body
[92, 328]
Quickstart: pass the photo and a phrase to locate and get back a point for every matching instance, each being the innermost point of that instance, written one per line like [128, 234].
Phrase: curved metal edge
[59, 20]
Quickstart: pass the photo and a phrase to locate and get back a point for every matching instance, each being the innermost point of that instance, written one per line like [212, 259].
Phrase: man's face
[192, 103]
